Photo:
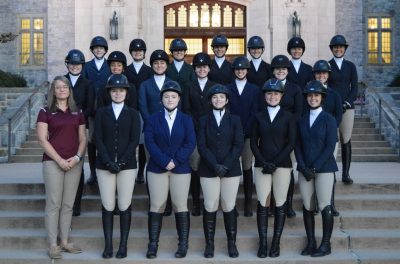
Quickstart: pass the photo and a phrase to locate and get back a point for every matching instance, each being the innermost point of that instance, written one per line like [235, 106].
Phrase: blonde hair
[51, 97]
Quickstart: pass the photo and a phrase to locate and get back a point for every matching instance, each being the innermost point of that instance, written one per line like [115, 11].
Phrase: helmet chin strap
[74, 74]
[273, 105]
[170, 110]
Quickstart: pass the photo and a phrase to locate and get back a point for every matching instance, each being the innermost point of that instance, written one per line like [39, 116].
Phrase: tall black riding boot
[168, 206]
[142, 164]
[108, 221]
[154, 227]
[230, 221]
[76, 209]
[182, 220]
[209, 220]
[262, 226]
[279, 222]
[327, 227]
[289, 198]
[346, 161]
[309, 225]
[248, 192]
[334, 211]
[195, 190]
[91, 150]
[125, 226]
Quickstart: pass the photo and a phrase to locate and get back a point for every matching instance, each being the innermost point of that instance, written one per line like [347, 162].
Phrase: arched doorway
[198, 21]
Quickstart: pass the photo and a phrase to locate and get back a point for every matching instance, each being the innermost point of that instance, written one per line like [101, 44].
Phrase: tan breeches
[320, 186]
[216, 187]
[346, 126]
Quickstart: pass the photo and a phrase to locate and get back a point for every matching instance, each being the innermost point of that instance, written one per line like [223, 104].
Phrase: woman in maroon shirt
[61, 133]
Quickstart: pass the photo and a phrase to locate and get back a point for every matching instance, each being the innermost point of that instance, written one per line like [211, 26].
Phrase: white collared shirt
[178, 65]
[256, 63]
[99, 63]
[137, 65]
[117, 108]
[339, 62]
[218, 115]
[159, 79]
[202, 83]
[273, 111]
[314, 114]
[219, 61]
[74, 79]
[296, 63]
[170, 117]
[240, 84]
[284, 82]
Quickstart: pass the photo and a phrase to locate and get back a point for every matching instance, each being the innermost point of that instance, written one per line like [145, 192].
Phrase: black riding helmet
[159, 55]
[177, 44]
[171, 86]
[315, 86]
[201, 59]
[75, 56]
[117, 56]
[99, 41]
[137, 44]
[118, 81]
[338, 40]
[296, 42]
[273, 85]
[241, 62]
[321, 66]
[255, 42]
[280, 61]
[216, 89]
[219, 40]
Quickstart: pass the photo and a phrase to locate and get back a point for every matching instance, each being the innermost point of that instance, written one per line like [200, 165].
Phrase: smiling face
[170, 100]
[273, 98]
[61, 91]
[240, 73]
[314, 100]
[256, 52]
[219, 100]
[296, 52]
[322, 77]
[137, 55]
[118, 95]
[99, 51]
[116, 67]
[159, 67]
[219, 51]
[338, 51]
[74, 69]
[202, 71]
[280, 73]
[179, 55]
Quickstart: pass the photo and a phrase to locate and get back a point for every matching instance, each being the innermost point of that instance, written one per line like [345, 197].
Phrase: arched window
[198, 21]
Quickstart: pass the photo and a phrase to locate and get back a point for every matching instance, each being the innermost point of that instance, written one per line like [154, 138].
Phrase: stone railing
[385, 112]
[18, 119]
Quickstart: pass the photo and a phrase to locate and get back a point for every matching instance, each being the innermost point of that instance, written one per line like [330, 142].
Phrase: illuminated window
[32, 42]
[194, 16]
[236, 46]
[216, 16]
[171, 18]
[239, 21]
[205, 16]
[227, 16]
[182, 16]
[379, 40]
[194, 45]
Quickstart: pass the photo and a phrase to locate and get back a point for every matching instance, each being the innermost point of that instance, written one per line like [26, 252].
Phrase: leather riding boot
[76, 209]
[182, 220]
[108, 221]
[262, 226]
[91, 150]
[334, 211]
[289, 198]
[279, 222]
[248, 192]
[125, 226]
[154, 228]
[168, 206]
[309, 225]
[142, 164]
[272, 204]
[346, 161]
[209, 220]
[327, 227]
[195, 191]
[230, 221]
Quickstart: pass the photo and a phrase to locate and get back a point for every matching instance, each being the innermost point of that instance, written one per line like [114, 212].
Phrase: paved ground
[361, 172]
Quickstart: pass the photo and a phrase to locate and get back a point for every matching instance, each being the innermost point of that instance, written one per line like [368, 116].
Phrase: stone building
[49, 28]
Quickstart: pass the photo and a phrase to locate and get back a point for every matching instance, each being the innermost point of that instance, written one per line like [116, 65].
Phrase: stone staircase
[367, 145]
[367, 231]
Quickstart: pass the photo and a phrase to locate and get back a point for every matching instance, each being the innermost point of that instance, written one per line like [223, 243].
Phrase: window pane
[194, 16]
[227, 16]
[194, 46]
[38, 42]
[216, 16]
[182, 16]
[167, 42]
[372, 41]
[386, 58]
[25, 48]
[236, 46]
[372, 57]
[205, 16]
[171, 18]
[38, 59]
[25, 23]
[239, 21]
[38, 23]
[386, 42]
[372, 23]
[386, 23]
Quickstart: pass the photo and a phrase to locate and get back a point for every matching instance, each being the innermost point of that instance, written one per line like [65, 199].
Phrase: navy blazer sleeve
[291, 141]
[298, 149]
[101, 148]
[206, 154]
[353, 86]
[237, 144]
[133, 136]
[330, 143]
[160, 158]
[184, 152]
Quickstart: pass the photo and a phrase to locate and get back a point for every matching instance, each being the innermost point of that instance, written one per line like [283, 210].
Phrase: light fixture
[114, 27]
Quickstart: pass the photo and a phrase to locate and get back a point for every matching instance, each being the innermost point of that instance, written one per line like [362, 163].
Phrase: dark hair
[51, 97]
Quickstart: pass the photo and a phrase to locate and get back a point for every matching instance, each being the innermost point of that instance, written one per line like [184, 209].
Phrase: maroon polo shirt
[63, 129]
